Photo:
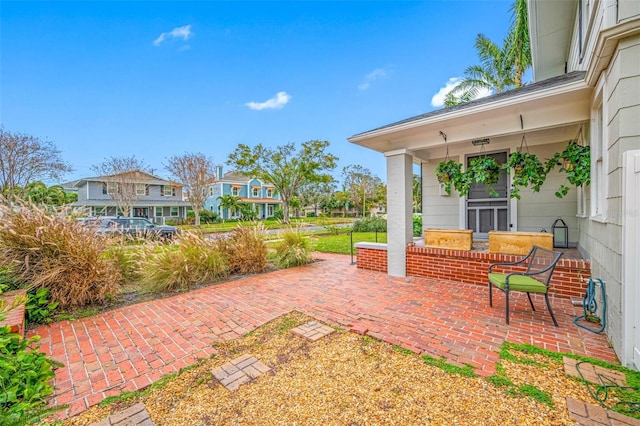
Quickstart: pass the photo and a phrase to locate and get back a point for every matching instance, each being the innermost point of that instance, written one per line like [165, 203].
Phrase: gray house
[143, 194]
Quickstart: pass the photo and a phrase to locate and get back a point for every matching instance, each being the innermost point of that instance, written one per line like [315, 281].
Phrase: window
[269, 193]
[158, 212]
[174, 211]
[112, 188]
[256, 192]
[270, 210]
[141, 189]
[211, 191]
[168, 191]
[235, 191]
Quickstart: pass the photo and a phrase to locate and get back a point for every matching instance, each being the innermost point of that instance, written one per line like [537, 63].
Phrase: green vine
[485, 170]
[448, 172]
[528, 170]
[575, 161]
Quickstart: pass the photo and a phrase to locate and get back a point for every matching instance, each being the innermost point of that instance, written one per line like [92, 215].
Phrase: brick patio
[131, 347]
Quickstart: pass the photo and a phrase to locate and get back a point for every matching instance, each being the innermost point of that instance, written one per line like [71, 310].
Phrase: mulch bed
[345, 379]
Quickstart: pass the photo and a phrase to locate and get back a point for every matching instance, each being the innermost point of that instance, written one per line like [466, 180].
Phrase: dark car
[134, 226]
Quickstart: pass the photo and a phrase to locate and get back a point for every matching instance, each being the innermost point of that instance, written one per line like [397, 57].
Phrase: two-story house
[261, 195]
[147, 195]
[586, 71]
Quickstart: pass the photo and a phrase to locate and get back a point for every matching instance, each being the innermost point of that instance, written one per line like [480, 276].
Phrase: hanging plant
[575, 161]
[528, 170]
[484, 170]
[448, 172]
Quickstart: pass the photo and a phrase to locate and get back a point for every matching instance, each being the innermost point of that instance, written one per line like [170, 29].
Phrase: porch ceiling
[549, 114]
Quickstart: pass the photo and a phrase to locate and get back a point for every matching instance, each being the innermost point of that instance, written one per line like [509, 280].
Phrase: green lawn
[268, 224]
[341, 243]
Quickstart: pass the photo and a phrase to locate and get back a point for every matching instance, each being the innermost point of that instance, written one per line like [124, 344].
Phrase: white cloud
[438, 99]
[277, 102]
[183, 32]
[374, 75]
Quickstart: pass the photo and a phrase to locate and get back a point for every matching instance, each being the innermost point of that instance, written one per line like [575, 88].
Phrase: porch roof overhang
[550, 110]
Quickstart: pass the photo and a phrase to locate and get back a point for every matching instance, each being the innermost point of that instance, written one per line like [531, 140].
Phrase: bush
[48, 251]
[8, 280]
[311, 214]
[25, 376]
[417, 225]
[293, 250]
[245, 249]
[38, 308]
[193, 260]
[372, 224]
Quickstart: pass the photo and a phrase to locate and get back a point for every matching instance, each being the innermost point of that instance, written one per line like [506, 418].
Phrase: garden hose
[590, 306]
[601, 392]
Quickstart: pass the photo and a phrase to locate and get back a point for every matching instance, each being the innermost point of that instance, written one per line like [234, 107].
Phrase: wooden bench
[14, 318]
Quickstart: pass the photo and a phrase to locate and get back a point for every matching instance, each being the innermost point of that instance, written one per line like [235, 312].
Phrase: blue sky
[158, 78]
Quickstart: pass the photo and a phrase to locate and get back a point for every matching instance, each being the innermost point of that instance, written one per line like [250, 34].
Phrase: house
[262, 196]
[151, 197]
[586, 72]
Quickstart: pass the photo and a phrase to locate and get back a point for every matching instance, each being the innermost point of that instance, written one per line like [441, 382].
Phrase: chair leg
[531, 301]
[546, 297]
[490, 294]
[506, 299]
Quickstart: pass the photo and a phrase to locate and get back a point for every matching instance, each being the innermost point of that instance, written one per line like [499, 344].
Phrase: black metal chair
[540, 264]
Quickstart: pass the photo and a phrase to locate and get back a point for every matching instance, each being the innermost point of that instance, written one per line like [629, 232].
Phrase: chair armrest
[511, 263]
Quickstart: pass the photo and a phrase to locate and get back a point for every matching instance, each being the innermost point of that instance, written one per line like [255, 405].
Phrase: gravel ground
[345, 379]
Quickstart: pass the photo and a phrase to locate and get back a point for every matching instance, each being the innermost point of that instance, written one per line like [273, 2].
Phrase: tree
[417, 194]
[315, 193]
[501, 68]
[361, 185]
[38, 193]
[122, 178]
[284, 167]
[229, 202]
[24, 159]
[196, 173]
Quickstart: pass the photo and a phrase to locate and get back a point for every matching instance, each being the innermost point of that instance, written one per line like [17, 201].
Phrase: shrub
[417, 225]
[8, 280]
[25, 375]
[193, 260]
[371, 224]
[38, 308]
[49, 251]
[311, 214]
[293, 250]
[245, 249]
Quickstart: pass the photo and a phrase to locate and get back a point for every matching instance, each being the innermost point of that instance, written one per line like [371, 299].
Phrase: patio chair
[540, 264]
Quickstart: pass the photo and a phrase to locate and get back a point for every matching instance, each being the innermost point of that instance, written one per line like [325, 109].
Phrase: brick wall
[569, 277]
[372, 259]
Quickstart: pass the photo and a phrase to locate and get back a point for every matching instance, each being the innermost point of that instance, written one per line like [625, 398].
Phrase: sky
[152, 79]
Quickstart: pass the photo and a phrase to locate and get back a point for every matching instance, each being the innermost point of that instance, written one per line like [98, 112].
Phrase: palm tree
[230, 202]
[501, 68]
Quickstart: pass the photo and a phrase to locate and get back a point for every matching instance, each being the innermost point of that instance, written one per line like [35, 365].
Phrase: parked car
[134, 226]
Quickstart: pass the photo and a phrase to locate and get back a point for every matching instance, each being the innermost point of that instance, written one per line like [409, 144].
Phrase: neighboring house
[586, 70]
[156, 199]
[261, 195]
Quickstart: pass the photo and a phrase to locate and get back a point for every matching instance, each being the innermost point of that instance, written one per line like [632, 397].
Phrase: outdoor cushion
[518, 283]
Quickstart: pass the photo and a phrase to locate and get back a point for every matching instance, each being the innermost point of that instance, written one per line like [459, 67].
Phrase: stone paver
[134, 415]
[594, 373]
[594, 415]
[129, 348]
[239, 371]
[313, 330]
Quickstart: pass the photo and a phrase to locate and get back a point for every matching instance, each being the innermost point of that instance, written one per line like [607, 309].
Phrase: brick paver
[239, 371]
[594, 415]
[136, 415]
[131, 347]
[313, 330]
[594, 373]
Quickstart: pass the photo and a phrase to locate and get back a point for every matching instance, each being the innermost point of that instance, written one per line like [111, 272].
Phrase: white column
[399, 210]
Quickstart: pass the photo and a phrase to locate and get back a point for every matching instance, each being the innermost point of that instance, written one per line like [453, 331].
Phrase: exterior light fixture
[560, 233]
[484, 141]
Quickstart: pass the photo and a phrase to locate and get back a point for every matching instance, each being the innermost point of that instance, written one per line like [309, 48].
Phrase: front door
[484, 212]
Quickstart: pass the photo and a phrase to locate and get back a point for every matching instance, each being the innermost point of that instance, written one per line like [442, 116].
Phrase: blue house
[261, 195]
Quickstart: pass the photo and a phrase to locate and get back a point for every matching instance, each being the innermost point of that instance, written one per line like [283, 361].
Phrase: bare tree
[24, 159]
[195, 172]
[124, 179]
